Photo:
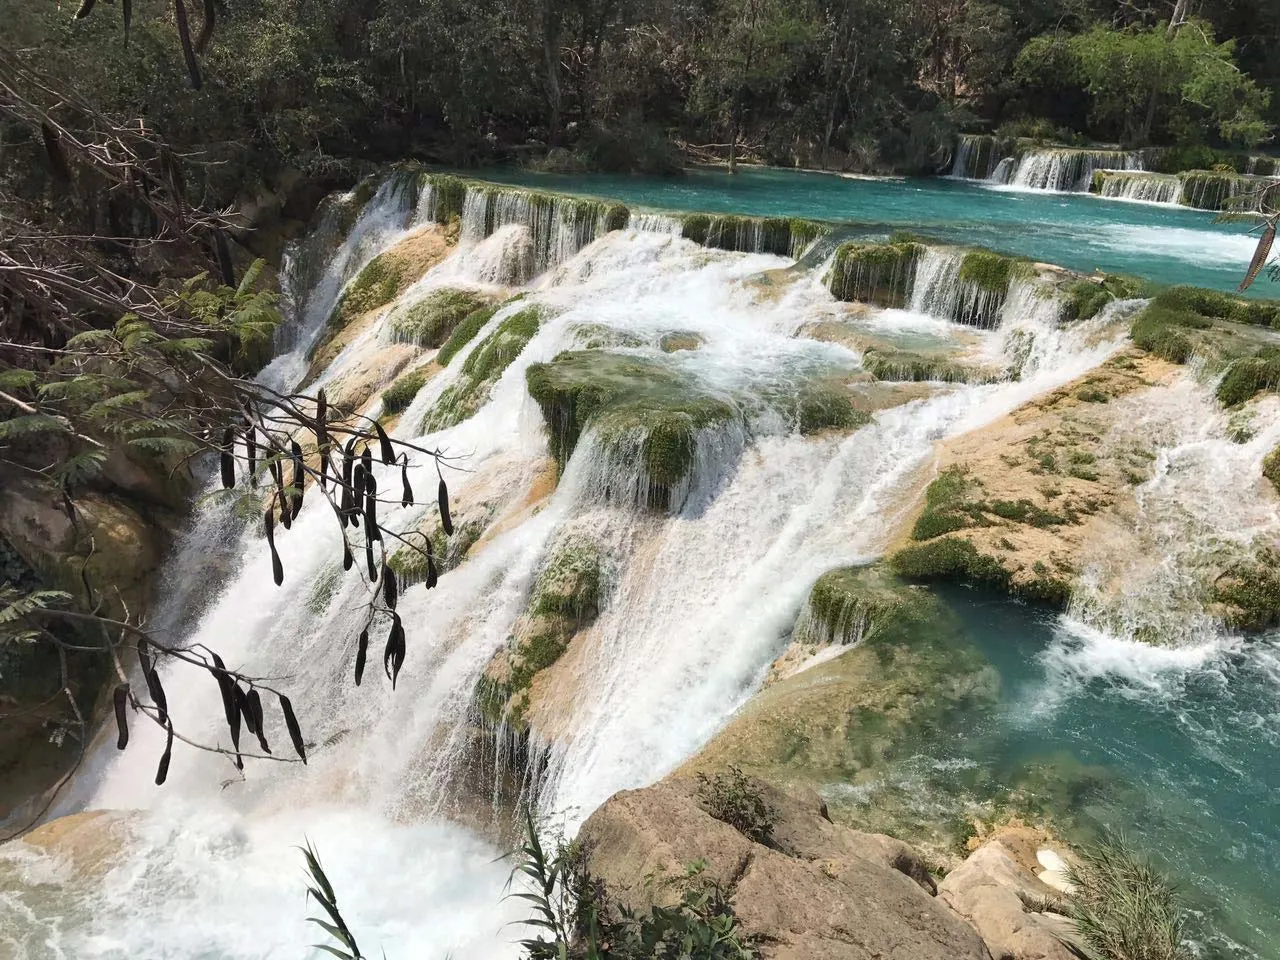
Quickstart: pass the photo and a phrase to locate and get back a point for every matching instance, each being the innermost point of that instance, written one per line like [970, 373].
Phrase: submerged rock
[817, 891]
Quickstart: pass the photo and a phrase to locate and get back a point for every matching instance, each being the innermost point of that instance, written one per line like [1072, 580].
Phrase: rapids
[697, 603]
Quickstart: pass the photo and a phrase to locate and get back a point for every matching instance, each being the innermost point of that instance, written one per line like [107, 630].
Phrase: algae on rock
[777, 235]
[429, 321]
[397, 397]
[877, 273]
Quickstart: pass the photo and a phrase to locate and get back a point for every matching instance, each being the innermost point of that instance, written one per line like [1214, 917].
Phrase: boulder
[817, 891]
[995, 891]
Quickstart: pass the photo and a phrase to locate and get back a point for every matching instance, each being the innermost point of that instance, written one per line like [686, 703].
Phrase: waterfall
[981, 157]
[1069, 170]
[1145, 187]
[940, 290]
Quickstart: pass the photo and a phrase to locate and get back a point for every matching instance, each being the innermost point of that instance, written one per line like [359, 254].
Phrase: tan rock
[821, 891]
[89, 841]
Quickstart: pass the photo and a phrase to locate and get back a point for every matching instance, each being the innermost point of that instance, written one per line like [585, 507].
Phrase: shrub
[397, 397]
[1123, 909]
[733, 798]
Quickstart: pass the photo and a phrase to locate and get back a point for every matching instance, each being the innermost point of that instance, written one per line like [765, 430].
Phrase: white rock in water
[1051, 860]
[1054, 873]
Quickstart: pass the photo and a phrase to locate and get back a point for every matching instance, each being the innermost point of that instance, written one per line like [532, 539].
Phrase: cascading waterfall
[1069, 170]
[941, 290]
[698, 598]
[1144, 187]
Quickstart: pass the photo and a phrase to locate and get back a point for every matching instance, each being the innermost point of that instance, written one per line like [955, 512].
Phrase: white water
[698, 605]
[1142, 187]
[1069, 170]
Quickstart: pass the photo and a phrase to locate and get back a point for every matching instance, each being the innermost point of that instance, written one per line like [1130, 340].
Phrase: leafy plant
[732, 798]
[321, 890]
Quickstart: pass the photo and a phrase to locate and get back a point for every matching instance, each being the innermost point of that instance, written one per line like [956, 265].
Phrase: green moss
[949, 558]
[851, 604]
[410, 564]
[569, 586]
[876, 273]
[679, 340]
[450, 195]
[1271, 468]
[1248, 375]
[324, 589]
[827, 405]
[598, 336]
[776, 235]
[397, 397]
[373, 286]
[482, 368]
[1166, 330]
[428, 321]
[1024, 511]
[1092, 395]
[1210, 189]
[947, 505]
[902, 365]
[631, 400]
[1085, 298]
[991, 272]
[536, 653]
[1249, 593]
[465, 332]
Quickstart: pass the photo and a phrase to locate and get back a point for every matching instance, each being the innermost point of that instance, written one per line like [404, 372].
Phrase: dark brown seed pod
[86, 8]
[126, 15]
[225, 266]
[246, 711]
[255, 705]
[228, 459]
[157, 693]
[206, 31]
[277, 475]
[322, 421]
[120, 699]
[299, 472]
[406, 499]
[234, 723]
[277, 568]
[357, 495]
[366, 458]
[291, 723]
[371, 529]
[226, 686]
[251, 454]
[184, 34]
[144, 655]
[445, 520]
[389, 586]
[387, 451]
[361, 650]
[432, 578]
[344, 504]
[393, 655]
[57, 158]
[368, 559]
[348, 461]
[162, 771]
[347, 559]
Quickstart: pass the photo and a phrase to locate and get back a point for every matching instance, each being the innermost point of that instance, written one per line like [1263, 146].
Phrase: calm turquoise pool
[1166, 244]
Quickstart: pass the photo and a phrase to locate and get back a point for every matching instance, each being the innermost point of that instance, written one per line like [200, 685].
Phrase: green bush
[397, 397]
[1122, 908]
[733, 798]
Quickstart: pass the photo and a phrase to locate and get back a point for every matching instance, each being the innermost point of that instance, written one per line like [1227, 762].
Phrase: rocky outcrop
[817, 891]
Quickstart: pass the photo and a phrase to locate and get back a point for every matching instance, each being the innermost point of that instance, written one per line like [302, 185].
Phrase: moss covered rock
[484, 365]
[679, 340]
[1086, 297]
[429, 321]
[639, 405]
[876, 273]
[903, 365]
[1246, 376]
[1271, 468]
[1247, 595]
[849, 604]
[569, 586]
[397, 397]
[827, 404]
[777, 235]
[375, 285]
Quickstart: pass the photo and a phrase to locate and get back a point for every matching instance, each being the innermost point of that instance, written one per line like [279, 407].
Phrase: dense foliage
[630, 84]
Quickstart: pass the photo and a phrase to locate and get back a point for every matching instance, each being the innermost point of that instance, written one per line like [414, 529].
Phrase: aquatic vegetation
[465, 332]
[1166, 330]
[948, 506]
[827, 405]
[569, 586]
[1247, 594]
[397, 397]
[373, 286]
[849, 604]
[949, 558]
[484, 365]
[1246, 376]
[876, 273]
[628, 399]
[992, 272]
[1086, 297]
[903, 365]
[428, 321]
[777, 235]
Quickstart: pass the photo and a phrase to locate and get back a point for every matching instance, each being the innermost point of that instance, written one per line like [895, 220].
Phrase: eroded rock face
[995, 890]
[818, 891]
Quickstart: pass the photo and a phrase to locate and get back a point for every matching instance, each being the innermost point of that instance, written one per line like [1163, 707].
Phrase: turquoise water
[1179, 751]
[1166, 244]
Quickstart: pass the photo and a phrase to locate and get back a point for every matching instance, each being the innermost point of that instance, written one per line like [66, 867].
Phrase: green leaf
[16, 379]
[333, 950]
[31, 423]
[90, 338]
[79, 468]
[165, 446]
[250, 277]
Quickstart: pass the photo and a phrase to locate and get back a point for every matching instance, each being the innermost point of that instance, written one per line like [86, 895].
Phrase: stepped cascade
[689, 424]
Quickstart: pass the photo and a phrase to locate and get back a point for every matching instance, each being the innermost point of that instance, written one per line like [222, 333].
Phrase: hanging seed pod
[251, 453]
[357, 495]
[406, 499]
[387, 451]
[344, 505]
[234, 723]
[1260, 254]
[157, 693]
[389, 586]
[445, 520]
[393, 655]
[361, 650]
[366, 458]
[255, 705]
[291, 723]
[184, 34]
[126, 15]
[347, 559]
[246, 711]
[162, 772]
[368, 559]
[86, 8]
[322, 420]
[228, 459]
[57, 157]
[277, 569]
[226, 687]
[348, 460]
[223, 251]
[371, 530]
[299, 472]
[206, 31]
[120, 699]
[432, 578]
[277, 475]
